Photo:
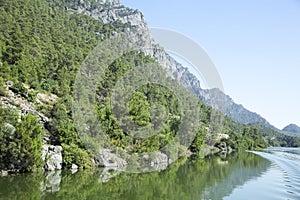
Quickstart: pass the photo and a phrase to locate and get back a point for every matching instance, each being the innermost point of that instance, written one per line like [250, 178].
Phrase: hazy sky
[255, 45]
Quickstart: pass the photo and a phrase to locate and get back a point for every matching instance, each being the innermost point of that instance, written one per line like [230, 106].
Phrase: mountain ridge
[39, 62]
[142, 34]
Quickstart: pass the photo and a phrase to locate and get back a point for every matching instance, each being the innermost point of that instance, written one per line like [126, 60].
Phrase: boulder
[108, 159]
[52, 155]
[159, 161]
[9, 83]
[3, 173]
[74, 166]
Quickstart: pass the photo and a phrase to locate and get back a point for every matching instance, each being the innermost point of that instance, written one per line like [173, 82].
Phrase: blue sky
[255, 45]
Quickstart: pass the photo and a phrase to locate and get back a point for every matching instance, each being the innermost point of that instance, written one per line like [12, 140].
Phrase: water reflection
[212, 178]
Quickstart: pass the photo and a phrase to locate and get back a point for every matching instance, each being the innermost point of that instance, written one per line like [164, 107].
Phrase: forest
[42, 47]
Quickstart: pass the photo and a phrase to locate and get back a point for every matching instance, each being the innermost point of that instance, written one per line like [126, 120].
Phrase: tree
[30, 143]
[20, 142]
[139, 109]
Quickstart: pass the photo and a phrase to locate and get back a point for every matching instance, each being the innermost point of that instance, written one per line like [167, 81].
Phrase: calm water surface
[273, 174]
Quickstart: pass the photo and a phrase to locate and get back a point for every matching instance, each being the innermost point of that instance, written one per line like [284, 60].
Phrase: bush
[72, 154]
[19, 88]
[32, 96]
[2, 87]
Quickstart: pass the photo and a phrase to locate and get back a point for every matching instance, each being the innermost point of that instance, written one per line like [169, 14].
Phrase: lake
[272, 174]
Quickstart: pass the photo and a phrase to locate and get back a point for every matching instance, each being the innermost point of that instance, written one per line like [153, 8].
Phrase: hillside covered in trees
[42, 46]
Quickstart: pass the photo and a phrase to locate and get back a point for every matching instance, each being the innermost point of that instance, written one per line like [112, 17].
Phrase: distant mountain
[235, 111]
[292, 128]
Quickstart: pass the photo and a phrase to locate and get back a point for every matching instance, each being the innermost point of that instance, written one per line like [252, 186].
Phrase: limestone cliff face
[140, 33]
[111, 11]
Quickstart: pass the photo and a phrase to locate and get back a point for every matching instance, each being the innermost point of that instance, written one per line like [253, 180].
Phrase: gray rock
[159, 161]
[3, 173]
[52, 155]
[9, 83]
[110, 160]
[74, 166]
[9, 129]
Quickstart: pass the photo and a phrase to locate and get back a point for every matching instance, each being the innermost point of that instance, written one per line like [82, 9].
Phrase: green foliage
[31, 96]
[150, 105]
[277, 138]
[19, 89]
[139, 109]
[198, 143]
[31, 134]
[42, 45]
[20, 142]
[63, 127]
[2, 87]
[73, 154]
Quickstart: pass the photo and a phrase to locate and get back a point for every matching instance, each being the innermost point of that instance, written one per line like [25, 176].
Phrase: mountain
[235, 111]
[142, 35]
[292, 129]
[43, 44]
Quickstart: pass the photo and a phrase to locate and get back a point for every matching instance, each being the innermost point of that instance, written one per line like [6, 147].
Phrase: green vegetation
[42, 45]
[2, 87]
[20, 142]
[276, 138]
[62, 126]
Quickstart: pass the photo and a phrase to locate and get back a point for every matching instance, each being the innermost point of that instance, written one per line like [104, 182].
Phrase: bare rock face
[112, 2]
[139, 33]
[52, 155]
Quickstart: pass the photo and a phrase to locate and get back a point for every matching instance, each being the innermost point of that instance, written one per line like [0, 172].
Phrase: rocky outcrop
[15, 101]
[160, 161]
[52, 155]
[3, 173]
[106, 158]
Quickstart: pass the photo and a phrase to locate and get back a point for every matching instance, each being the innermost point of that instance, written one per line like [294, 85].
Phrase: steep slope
[42, 46]
[235, 111]
[114, 11]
